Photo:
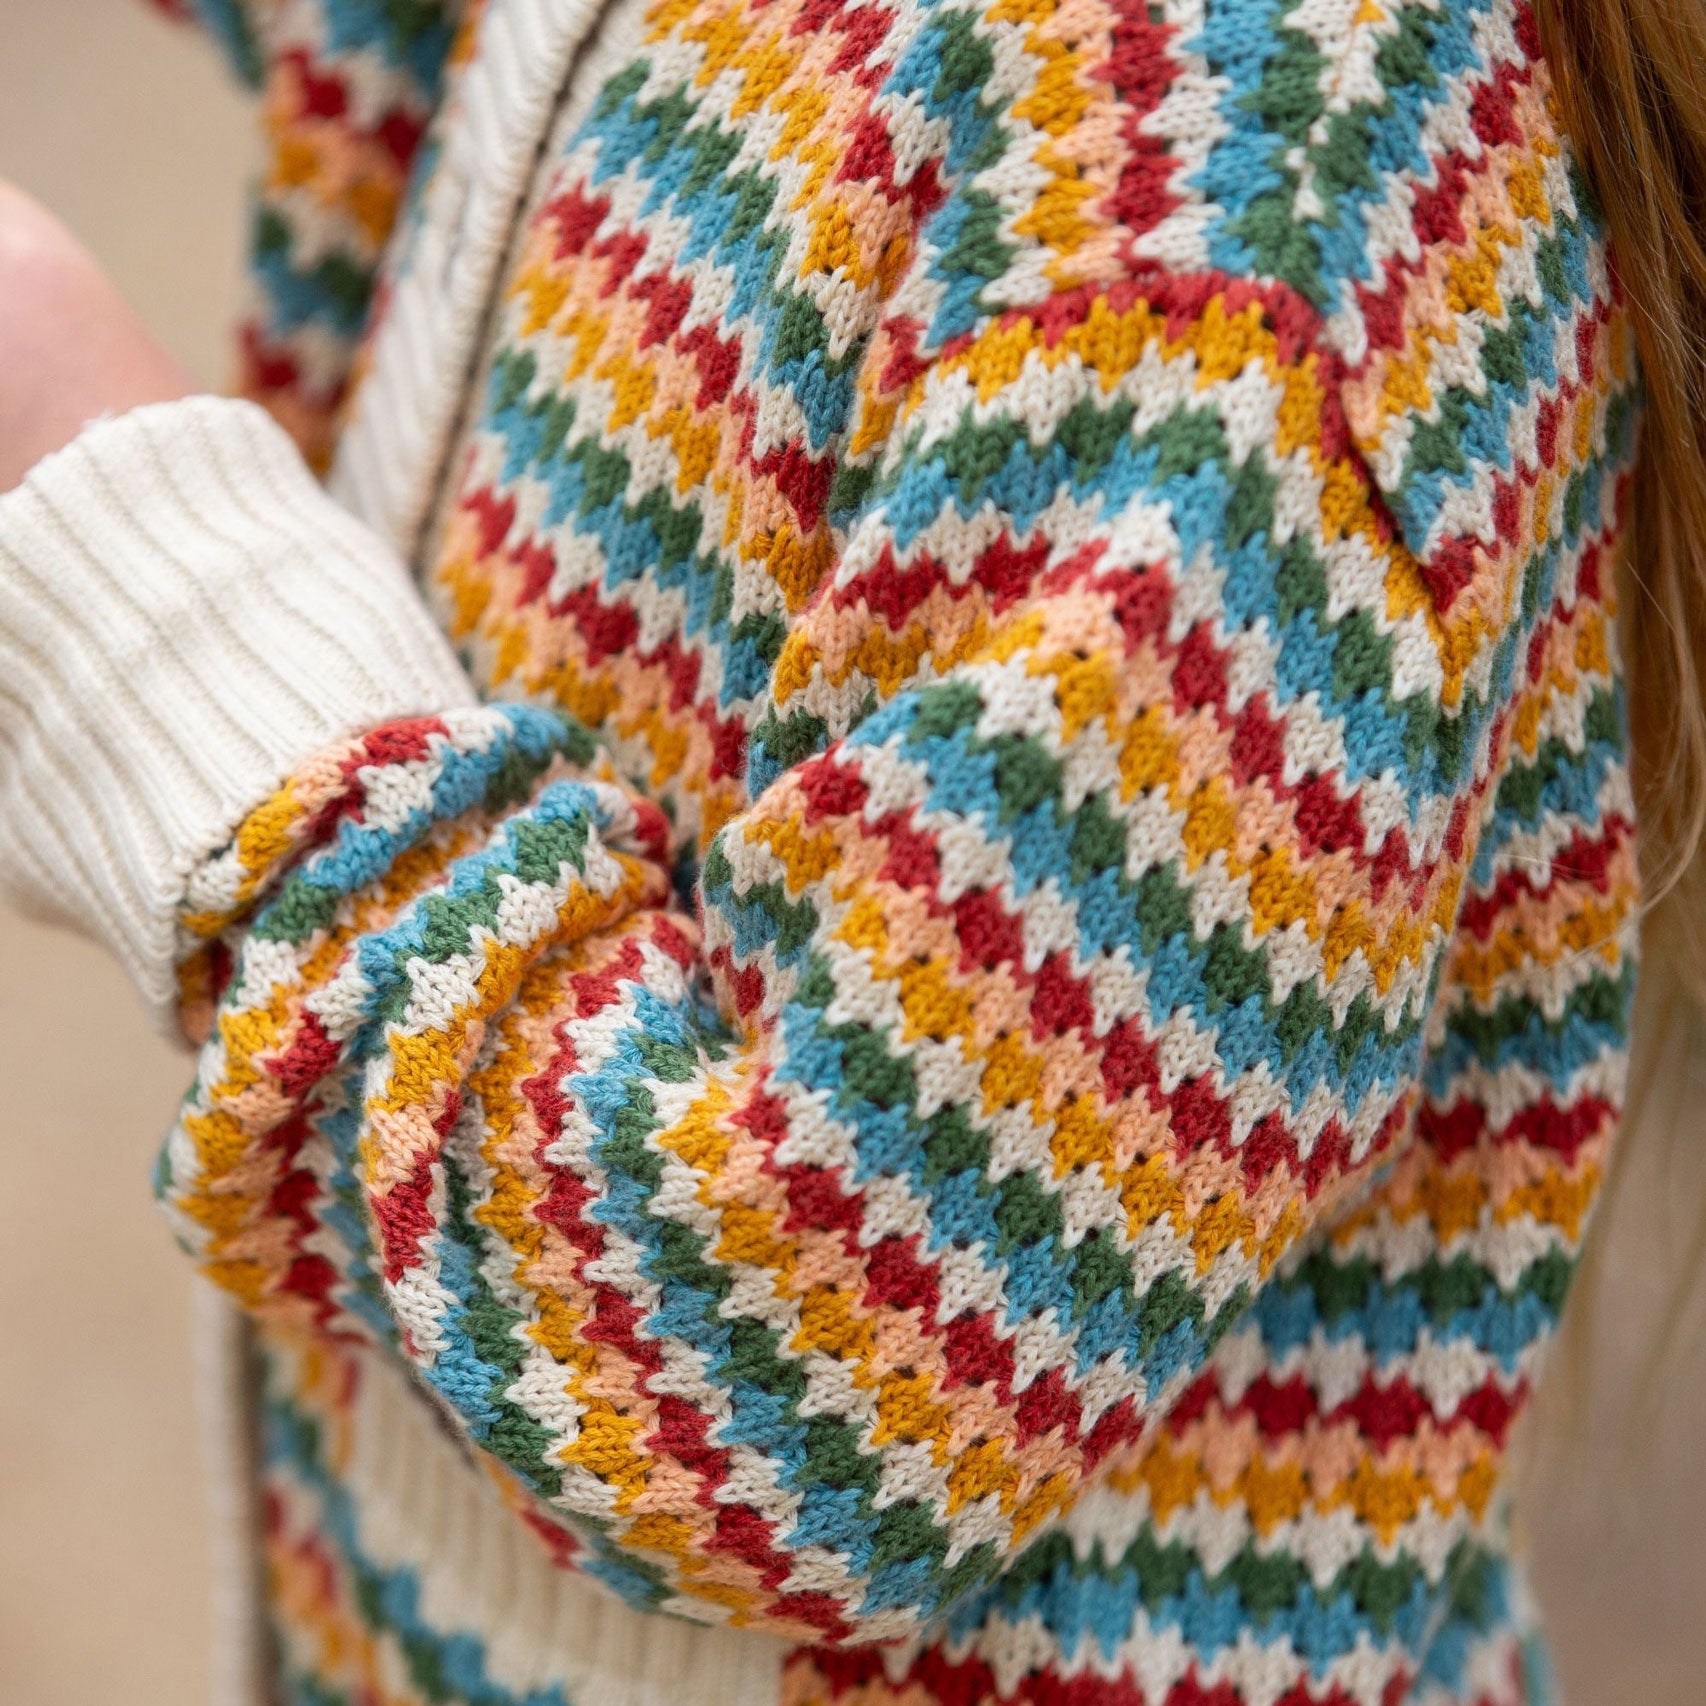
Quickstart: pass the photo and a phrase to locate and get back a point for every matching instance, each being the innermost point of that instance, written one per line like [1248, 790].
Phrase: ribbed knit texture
[421, 346]
[186, 617]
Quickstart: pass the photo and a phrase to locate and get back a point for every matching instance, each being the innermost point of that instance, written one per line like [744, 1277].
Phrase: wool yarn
[993, 1057]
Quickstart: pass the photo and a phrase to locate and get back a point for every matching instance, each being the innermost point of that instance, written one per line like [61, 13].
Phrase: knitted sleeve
[347, 93]
[797, 1259]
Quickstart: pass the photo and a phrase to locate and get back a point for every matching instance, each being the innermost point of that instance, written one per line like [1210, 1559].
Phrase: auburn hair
[1630, 81]
[1630, 77]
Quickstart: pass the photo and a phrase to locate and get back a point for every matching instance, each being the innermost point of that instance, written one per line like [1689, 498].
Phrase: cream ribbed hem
[184, 617]
[441, 284]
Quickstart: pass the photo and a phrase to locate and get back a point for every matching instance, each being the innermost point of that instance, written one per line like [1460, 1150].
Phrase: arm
[1070, 965]
[70, 344]
[1122, 785]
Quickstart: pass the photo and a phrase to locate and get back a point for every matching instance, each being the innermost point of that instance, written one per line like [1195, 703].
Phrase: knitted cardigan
[973, 1071]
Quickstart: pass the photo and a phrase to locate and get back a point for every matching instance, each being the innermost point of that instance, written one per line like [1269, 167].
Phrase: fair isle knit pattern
[1079, 538]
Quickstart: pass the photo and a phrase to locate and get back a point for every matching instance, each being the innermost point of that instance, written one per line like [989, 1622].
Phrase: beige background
[128, 129]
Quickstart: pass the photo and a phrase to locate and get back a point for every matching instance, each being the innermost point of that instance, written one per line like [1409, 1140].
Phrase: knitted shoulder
[1416, 188]
[1398, 164]
[1398, 167]
[1373, 161]
[1369, 201]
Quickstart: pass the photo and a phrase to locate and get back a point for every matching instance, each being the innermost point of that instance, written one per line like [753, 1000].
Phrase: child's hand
[71, 348]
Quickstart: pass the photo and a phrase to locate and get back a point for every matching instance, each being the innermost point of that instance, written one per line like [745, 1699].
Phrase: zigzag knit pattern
[348, 89]
[1079, 537]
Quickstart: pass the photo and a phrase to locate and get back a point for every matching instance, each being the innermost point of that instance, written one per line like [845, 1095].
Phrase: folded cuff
[185, 616]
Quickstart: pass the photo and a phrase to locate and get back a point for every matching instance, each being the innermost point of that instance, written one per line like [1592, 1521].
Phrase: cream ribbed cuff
[184, 617]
